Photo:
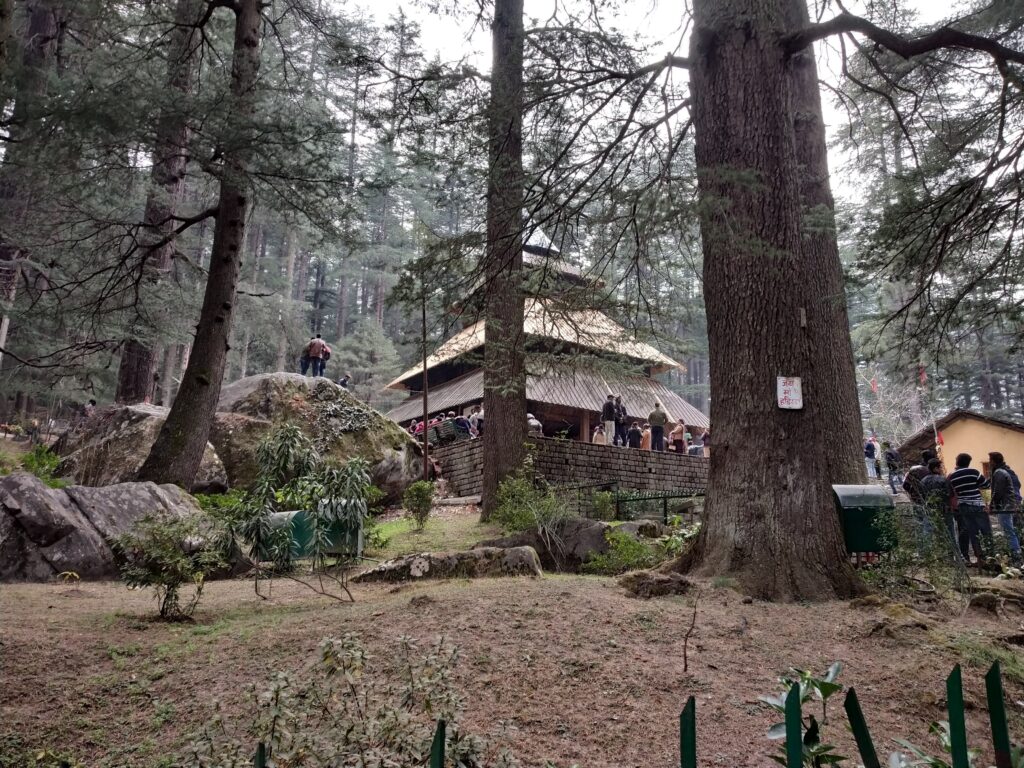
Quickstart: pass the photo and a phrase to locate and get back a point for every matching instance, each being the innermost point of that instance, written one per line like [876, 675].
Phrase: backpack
[326, 354]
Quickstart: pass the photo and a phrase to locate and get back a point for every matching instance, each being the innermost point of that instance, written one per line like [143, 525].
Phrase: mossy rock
[340, 426]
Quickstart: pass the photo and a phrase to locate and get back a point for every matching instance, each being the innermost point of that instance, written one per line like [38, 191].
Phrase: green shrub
[168, 555]
[679, 539]
[525, 502]
[348, 709]
[625, 553]
[219, 504]
[375, 499]
[602, 505]
[418, 500]
[42, 462]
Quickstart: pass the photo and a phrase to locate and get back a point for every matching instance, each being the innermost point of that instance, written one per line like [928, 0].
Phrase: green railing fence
[795, 729]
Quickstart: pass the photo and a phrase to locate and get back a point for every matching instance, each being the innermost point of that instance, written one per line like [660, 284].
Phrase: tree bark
[259, 249]
[6, 14]
[289, 281]
[770, 519]
[504, 305]
[170, 159]
[834, 380]
[178, 450]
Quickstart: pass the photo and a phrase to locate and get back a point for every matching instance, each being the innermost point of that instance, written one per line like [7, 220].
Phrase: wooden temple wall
[567, 462]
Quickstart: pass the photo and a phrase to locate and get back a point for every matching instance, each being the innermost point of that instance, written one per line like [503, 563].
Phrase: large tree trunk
[170, 158]
[834, 380]
[178, 450]
[6, 14]
[504, 306]
[770, 520]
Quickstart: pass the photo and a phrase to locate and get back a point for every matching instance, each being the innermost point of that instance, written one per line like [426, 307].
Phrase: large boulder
[47, 531]
[573, 542]
[116, 441]
[476, 563]
[340, 426]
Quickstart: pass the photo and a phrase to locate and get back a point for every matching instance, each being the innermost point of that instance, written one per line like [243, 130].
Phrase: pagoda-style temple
[575, 359]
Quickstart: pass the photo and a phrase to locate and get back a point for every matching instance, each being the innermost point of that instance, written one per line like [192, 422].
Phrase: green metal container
[859, 507]
[343, 540]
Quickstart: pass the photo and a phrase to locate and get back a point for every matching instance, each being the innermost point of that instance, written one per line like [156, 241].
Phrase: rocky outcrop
[476, 563]
[47, 531]
[340, 426]
[116, 441]
[572, 543]
[648, 584]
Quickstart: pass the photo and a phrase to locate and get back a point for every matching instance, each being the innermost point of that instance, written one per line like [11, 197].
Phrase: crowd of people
[963, 498]
[618, 428]
[469, 426]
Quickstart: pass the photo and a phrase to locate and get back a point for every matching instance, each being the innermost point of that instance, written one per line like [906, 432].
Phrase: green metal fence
[795, 729]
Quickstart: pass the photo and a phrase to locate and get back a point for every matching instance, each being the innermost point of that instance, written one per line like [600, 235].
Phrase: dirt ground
[566, 668]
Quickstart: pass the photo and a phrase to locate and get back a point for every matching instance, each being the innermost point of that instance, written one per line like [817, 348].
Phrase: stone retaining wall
[565, 462]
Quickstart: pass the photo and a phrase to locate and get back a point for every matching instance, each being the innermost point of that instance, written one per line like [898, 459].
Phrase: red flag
[874, 385]
[922, 375]
[938, 439]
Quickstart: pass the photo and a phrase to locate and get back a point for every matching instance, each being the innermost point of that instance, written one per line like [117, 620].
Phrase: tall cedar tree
[770, 520]
[178, 450]
[833, 381]
[504, 303]
[170, 158]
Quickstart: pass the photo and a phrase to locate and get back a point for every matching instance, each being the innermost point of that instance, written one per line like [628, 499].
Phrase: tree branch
[907, 48]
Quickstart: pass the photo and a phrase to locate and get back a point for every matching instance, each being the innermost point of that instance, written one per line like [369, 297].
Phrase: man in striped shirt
[975, 527]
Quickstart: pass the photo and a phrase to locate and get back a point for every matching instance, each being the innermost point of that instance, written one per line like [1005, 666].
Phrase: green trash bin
[343, 541]
[859, 507]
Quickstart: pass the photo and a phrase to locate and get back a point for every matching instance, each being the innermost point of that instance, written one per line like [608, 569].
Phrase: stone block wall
[564, 462]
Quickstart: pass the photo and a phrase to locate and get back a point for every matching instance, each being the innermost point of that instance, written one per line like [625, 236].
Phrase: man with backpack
[892, 464]
[1006, 500]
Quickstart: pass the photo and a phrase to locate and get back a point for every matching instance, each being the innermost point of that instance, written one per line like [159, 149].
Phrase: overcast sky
[658, 22]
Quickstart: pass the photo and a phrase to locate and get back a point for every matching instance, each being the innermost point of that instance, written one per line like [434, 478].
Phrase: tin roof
[585, 328]
[583, 390]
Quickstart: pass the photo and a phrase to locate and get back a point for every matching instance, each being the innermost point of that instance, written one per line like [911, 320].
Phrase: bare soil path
[564, 668]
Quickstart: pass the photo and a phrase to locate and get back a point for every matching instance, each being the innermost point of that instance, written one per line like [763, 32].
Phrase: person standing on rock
[304, 358]
[315, 352]
[657, 419]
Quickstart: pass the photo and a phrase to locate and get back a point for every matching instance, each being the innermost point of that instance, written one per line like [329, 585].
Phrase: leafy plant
[526, 502]
[679, 539]
[625, 553]
[418, 500]
[42, 462]
[816, 752]
[347, 711]
[333, 499]
[919, 556]
[169, 556]
[602, 504]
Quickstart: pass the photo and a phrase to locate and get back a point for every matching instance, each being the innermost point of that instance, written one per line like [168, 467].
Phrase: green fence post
[794, 729]
[957, 725]
[688, 735]
[261, 756]
[437, 748]
[859, 727]
[997, 716]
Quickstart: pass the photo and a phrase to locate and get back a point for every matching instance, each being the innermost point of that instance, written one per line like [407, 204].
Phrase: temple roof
[584, 390]
[582, 327]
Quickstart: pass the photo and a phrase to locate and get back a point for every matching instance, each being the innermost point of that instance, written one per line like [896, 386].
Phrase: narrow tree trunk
[171, 353]
[289, 279]
[342, 318]
[259, 249]
[6, 14]
[770, 519]
[167, 179]
[178, 450]
[834, 380]
[504, 306]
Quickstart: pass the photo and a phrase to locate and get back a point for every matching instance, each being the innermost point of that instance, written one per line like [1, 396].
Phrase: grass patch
[438, 535]
[977, 651]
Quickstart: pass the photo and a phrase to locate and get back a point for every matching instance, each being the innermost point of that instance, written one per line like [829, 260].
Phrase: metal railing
[632, 504]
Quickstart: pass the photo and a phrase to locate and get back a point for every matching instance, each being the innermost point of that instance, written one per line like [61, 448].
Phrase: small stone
[747, 600]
